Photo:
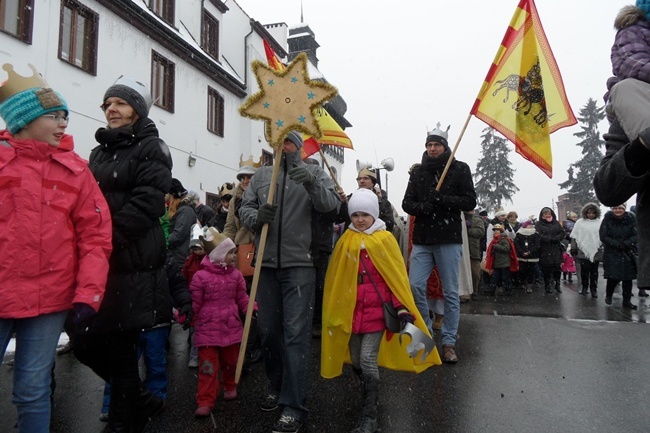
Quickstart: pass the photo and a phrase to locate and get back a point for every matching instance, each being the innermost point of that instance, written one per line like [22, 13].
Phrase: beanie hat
[526, 224]
[483, 213]
[246, 170]
[132, 91]
[364, 200]
[371, 174]
[23, 99]
[177, 189]
[439, 136]
[216, 245]
[644, 5]
[500, 213]
[295, 138]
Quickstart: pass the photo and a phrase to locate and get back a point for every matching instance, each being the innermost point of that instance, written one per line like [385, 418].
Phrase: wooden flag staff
[451, 157]
[327, 164]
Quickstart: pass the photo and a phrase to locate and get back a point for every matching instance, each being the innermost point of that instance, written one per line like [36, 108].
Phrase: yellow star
[287, 100]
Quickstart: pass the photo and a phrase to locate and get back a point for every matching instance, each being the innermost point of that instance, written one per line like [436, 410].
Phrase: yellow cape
[340, 298]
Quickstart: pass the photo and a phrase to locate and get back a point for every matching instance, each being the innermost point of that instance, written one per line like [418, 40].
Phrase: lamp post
[387, 164]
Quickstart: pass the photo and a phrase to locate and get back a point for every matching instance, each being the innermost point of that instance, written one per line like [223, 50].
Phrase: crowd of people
[122, 249]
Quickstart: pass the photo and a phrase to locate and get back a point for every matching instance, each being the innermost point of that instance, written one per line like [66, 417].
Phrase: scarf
[587, 236]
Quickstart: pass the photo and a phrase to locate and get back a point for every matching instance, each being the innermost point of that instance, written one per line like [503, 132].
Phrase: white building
[194, 54]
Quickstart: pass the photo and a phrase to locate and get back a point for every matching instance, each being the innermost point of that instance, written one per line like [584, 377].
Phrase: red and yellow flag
[523, 96]
[333, 134]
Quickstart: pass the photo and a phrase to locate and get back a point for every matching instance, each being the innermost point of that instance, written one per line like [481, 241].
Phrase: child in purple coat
[218, 298]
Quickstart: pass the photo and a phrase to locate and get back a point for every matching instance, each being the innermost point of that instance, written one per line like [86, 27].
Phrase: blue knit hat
[644, 5]
[24, 99]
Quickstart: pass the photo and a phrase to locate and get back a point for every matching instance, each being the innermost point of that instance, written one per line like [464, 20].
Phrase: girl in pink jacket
[218, 297]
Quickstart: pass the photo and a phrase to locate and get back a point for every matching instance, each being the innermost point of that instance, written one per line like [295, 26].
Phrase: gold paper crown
[250, 162]
[17, 83]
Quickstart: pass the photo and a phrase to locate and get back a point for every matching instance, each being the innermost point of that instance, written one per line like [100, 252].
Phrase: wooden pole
[460, 137]
[327, 164]
[259, 256]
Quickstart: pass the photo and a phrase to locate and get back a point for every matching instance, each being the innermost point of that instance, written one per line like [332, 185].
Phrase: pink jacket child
[568, 264]
[218, 298]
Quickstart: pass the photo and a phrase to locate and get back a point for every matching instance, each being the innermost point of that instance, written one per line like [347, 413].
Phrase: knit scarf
[587, 236]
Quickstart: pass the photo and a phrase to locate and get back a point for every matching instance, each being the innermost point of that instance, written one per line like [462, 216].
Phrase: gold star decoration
[287, 100]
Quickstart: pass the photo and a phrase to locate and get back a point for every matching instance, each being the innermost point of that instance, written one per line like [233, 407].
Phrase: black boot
[627, 296]
[121, 412]
[148, 406]
[594, 293]
[368, 421]
[584, 290]
[557, 286]
[547, 286]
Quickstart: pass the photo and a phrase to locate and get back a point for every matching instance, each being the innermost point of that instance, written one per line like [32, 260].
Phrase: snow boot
[121, 413]
[557, 286]
[148, 405]
[584, 290]
[368, 421]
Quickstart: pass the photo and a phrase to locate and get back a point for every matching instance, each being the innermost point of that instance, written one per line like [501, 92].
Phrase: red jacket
[55, 229]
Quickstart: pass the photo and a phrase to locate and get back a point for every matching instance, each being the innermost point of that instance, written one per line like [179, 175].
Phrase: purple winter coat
[218, 297]
[369, 311]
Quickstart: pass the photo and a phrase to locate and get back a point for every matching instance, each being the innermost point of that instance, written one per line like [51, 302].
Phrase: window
[16, 18]
[164, 9]
[162, 82]
[210, 35]
[215, 112]
[78, 36]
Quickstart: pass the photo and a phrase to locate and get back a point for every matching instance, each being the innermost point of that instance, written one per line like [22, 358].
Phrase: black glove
[405, 318]
[81, 315]
[435, 195]
[621, 246]
[574, 253]
[427, 208]
[301, 175]
[266, 213]
[186, 310]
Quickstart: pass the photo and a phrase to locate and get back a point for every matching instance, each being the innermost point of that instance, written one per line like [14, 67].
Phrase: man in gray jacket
[285, 295]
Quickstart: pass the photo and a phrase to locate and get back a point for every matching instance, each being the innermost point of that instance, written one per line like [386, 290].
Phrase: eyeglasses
[58, 118]
[363, 178]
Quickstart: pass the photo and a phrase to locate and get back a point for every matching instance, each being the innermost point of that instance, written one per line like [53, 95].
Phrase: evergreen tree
[494, 172]
[580, 185]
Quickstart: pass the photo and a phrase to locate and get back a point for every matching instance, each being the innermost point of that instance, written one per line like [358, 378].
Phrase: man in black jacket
[437, 231]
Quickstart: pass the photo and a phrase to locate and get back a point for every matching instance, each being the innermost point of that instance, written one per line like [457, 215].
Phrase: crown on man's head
[250, 162]
[16, 83]
[439, 132]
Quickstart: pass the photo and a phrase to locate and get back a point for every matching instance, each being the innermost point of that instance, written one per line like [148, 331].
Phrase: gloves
[574, 253]
[405, 318]
[427, 208]
[621, 246]
[301, 175]
[81, 315]
[185, 315]
[266, 213]
[435, 195]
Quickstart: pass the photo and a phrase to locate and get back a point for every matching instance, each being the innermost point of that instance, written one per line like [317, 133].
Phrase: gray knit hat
[296, 138]
[134, 92]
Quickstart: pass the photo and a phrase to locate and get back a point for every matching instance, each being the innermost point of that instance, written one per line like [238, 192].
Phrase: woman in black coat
[551, 235]
[133, 169]
[618, 235]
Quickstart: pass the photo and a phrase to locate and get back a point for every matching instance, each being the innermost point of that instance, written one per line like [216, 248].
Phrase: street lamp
[387, 164]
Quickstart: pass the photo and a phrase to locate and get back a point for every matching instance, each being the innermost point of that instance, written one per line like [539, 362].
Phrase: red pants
[211, 360]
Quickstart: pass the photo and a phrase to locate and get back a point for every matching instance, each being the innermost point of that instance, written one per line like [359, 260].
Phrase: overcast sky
[404, 66]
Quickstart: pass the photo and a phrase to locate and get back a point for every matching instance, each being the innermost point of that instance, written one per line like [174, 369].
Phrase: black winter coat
[443, 225]
[618, 236]
[180, 232]
[527, 241]
[551, 235]
[133, 169]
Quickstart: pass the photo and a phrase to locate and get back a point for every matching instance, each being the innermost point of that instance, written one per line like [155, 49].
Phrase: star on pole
[287, 100]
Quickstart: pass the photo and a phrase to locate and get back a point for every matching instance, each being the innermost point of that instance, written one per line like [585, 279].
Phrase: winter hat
[295, 138]
[195, 235]
[572, 216]
[644, 5]
[248, 167]
[132, 91]
[371, 174]
[216, 245]
[483, 213]
[177, 189]
[497, 227]
[23, 99]
[623, 205]
[526, 224]
[500, 213]
[438, 135]
[364, 200]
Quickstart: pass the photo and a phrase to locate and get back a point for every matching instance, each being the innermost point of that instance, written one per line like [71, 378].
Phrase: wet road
[528, 363]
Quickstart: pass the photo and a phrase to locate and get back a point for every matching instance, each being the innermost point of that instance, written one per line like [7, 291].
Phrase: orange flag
[333, 134]
[523, 96]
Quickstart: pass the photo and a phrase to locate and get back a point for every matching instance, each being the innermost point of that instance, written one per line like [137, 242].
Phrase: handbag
[245, 255]
[390, 313]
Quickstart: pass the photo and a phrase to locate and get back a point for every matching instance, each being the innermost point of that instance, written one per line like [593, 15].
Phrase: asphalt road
[528, 363]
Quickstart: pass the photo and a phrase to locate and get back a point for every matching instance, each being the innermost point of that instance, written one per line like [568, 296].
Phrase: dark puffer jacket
[618, 235]
[551, 235]
[443, 225]
[180, 231]
[133, 169]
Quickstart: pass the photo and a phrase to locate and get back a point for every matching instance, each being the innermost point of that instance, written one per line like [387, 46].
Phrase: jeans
[285, 301]
[36, 340]
[447, 257]
[501, 278]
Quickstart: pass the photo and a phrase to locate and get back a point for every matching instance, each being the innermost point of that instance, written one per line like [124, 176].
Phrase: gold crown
[17, 83]
[250, 162]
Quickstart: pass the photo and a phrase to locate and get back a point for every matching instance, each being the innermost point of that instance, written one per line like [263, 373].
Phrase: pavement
[528, 363]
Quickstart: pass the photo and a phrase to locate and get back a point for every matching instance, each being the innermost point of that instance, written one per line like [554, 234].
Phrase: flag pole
[451, 157]
[327, 164]
[259, 256]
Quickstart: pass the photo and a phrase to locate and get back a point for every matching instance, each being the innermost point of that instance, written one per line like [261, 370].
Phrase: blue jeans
[423, 260]
[36, 340]
[285, 300]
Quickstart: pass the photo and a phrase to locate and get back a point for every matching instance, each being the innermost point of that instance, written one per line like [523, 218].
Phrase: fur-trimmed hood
[585, 208]
[627, 16]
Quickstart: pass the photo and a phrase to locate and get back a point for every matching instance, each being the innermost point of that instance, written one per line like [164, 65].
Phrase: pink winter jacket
[369, 310]
[218, 298]
[55, 229]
